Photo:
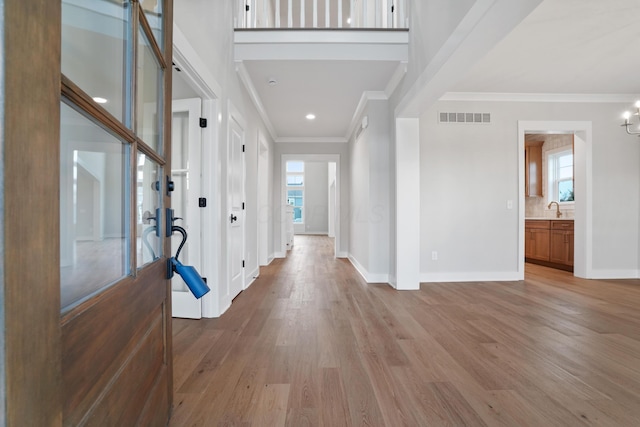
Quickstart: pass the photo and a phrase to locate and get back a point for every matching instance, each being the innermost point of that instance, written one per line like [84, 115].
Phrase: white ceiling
[329, 89]
[562, 47]
[565, 46]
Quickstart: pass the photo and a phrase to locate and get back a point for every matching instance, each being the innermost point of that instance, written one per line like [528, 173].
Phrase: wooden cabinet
[549, 242]
[561, 242]
[537, 240]
[533, 171]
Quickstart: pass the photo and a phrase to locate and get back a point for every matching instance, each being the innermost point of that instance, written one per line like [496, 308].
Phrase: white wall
[208, 27]
[469, 172]
[359, 203]
[316, 198]
[371, 194]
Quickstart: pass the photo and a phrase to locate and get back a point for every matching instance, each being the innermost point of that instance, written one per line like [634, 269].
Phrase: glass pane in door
[94, 237]
[153, 12]
[94, 49]
[148, 210]
[149, 96]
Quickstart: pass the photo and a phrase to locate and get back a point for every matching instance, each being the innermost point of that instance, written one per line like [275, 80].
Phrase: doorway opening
[543, 235]
[310, 188]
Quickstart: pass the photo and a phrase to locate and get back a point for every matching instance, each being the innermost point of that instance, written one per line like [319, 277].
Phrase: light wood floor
[309, 343]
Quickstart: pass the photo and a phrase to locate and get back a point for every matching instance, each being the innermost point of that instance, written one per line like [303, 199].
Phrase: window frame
[553, 180]
[295, 187]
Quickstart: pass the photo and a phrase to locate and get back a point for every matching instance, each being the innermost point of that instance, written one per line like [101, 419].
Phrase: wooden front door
[87, 307]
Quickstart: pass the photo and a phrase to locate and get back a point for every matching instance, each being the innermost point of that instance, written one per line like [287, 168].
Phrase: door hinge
[393, 8]
[242, 263]
[242, 205]
[203, 122]
[202, 202]
[243, 148]
[247, 8]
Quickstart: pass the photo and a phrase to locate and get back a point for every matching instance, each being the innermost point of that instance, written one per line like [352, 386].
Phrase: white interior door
[235, 217]
[186, 174]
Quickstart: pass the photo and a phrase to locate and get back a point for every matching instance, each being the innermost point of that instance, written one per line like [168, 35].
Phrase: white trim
[188, 60]
[251, 277]
[615, 274]
[540, 97]
[368, 277]
[245, 78]
[311, 140]
[279, 254]
[331, 36]
[342, 255]
[477, 276]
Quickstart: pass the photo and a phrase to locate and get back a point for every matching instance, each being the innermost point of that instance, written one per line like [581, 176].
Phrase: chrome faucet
[558, 213]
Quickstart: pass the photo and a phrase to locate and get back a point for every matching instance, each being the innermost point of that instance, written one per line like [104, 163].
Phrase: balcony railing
[325, 14]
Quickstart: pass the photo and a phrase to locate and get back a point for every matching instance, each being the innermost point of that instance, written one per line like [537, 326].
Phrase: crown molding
[396, 78]
[311, 140]
[253, 94]
[540, 97]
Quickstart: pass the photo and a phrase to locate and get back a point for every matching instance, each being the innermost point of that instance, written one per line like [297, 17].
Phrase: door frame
[184, 304]
[583, 177]
[196, 74]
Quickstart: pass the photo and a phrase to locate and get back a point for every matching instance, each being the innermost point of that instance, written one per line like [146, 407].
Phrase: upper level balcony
[321, 30]
[324, 14]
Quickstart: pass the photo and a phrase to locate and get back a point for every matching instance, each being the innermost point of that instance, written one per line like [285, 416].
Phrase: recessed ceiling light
[311, 116]
[100, 100]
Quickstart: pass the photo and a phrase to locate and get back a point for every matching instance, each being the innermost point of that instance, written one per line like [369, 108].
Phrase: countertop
[540, 218]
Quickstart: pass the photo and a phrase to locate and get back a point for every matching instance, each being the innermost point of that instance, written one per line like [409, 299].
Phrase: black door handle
[233, 218]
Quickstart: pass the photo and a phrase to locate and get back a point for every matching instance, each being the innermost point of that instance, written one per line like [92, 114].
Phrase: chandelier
[627, 117]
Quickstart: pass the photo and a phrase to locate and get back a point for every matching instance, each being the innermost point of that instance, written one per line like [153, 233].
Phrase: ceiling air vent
[478, 118]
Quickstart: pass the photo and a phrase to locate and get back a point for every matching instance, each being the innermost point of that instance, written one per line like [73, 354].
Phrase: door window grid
[113, 110]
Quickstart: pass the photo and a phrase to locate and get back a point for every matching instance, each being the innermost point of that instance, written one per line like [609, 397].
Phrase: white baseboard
[368, 277]
[280, 254]
[614, 274]
[472, 276]
[342, 255]
[251, 277]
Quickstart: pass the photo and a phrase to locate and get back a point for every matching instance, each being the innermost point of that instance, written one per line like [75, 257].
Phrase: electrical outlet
[434, 256]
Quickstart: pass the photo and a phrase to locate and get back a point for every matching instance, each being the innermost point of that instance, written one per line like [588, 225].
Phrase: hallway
[309, 343]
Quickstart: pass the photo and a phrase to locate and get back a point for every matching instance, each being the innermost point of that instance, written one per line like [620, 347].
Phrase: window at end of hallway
[295, 189]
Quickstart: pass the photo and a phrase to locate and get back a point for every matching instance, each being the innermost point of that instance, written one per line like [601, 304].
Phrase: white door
[235, 218]
[185, 172]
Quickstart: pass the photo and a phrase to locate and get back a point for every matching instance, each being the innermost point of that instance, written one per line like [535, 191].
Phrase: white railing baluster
[302, 17]
[290, 14]
[352, 16]
[265, 13]
[315, 13]
[277, 13]
[339, 13]
[365, 14]
[327, 14]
